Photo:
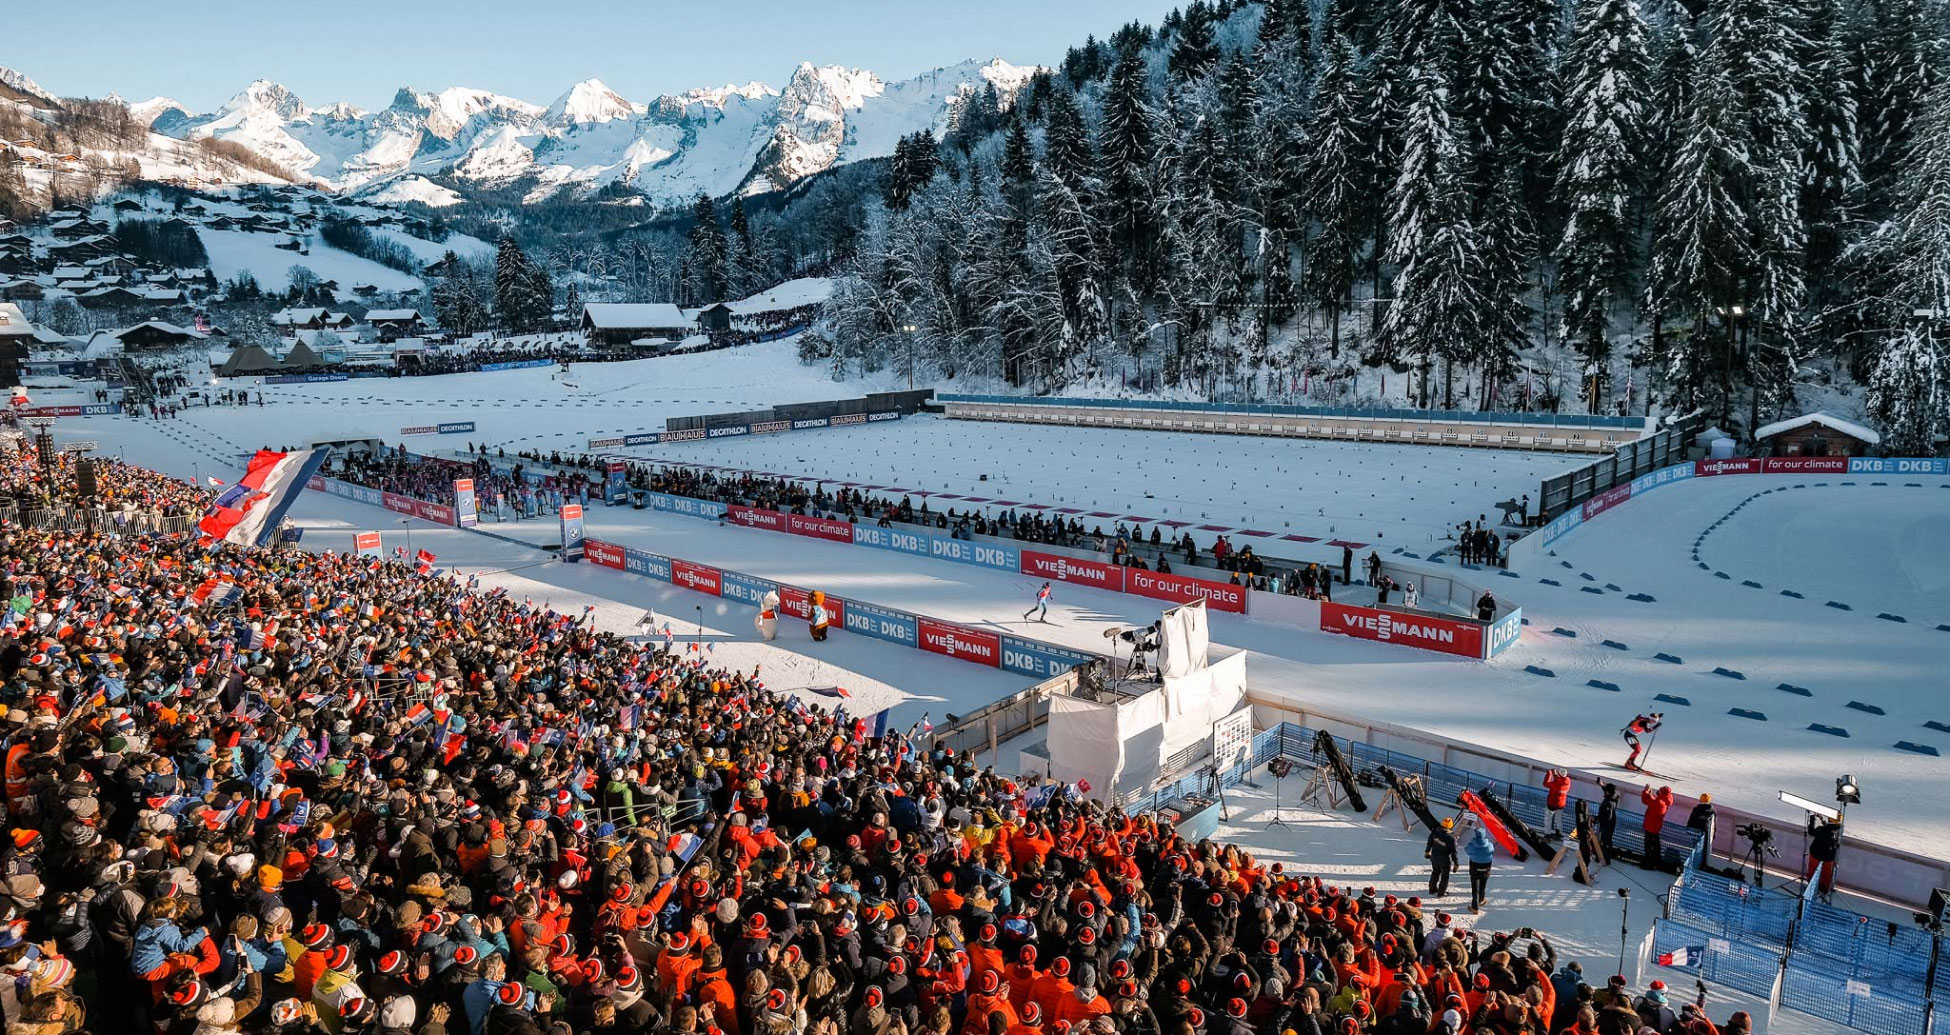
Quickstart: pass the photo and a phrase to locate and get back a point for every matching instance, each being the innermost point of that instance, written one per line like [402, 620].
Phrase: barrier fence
[1799, 953]
[1631, 460]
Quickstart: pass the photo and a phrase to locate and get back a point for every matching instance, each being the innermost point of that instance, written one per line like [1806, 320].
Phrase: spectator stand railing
[1799, 953]
[1632, 459]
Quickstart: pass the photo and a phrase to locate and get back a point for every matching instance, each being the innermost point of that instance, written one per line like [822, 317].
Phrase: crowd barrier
[1801, 954]
[1531, 547]
[425, 510]
[516, 364]
[70, 410]
[305, 379]
[769, 427]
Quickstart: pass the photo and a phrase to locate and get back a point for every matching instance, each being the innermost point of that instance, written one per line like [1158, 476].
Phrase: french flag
[426, 559]
[248, 512]
[1684, 956]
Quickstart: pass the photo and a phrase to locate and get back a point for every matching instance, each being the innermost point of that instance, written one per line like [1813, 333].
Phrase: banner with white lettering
[467, 512]
[572, 545]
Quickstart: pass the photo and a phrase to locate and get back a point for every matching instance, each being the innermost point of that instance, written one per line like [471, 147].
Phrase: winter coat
[1656, 805]
[1558, 785]
[1480, 849]
[156, 941]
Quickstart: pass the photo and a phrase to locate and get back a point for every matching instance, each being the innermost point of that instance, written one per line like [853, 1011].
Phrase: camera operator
[1701, 819]
[1824, 845]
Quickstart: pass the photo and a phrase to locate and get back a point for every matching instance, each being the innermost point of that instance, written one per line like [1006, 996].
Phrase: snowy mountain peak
[589, 101]
[265, 97]
[849, 88]
[146, 112]
[1008, 78]
[27, 89]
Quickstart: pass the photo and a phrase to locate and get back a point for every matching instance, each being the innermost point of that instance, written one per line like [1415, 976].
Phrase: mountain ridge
[716, 140]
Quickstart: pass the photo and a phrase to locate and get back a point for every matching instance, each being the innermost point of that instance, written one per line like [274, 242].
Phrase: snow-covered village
[1228, 517]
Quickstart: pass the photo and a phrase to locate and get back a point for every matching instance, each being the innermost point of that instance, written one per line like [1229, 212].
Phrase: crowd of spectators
[319, 794]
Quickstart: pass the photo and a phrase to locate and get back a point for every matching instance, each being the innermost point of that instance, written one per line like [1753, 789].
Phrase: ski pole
[1650, 742]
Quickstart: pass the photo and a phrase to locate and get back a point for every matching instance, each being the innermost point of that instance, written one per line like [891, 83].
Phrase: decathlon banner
[616, 489]
[466, 513]
[1448, 635]
[572, 545]
[365, 544]
[248, 511]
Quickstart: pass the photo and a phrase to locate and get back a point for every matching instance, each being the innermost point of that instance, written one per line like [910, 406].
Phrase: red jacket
[1656, 804]
[1558, 783]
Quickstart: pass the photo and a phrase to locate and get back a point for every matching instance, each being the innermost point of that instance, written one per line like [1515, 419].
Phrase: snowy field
[1852, 545]
[1398, 495]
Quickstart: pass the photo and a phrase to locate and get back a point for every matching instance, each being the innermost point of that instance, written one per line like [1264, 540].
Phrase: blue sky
[203, 51]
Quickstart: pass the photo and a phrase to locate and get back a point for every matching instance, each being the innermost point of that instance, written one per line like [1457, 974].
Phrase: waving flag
[426, 559]
[1684, 956]
[248, 512]
[215, 482]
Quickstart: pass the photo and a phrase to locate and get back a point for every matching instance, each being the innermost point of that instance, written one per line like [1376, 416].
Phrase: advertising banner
[605, 443]
[882, 623]
[90, 410]
[961, 642]
[1606, 500]
[964, 551]
[517, 364]
[810, 423]
[1448, 635]
[365, 544]
[687, 435]
[1038, 660]
[1663, 476]
[572, 532]
[1506, 631]
[305, 379]
[696, 576]
[686, 506]
[438, 513]
[798, 603]
[755, 517]
[735, 586]
[1898, 465]
[1219, 596]
[1739, 465]
[396, 503]
[457, 427]
[1805, 465]
[608, 555]
[467, 513]
[1059, 568]
[819, 528]
[421, 429]
[642, 562]
[616, 488]
[895, 539]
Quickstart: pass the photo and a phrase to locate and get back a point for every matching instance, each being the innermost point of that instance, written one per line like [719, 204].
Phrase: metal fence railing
[1799, 953]
[1549, 420]
[68, 518]
[1640, 456]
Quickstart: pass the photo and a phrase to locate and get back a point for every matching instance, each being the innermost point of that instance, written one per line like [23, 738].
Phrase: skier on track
[1642, 725]
[1041, 610]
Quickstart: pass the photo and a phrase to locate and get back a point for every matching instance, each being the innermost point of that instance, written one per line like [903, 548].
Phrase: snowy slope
[414, 190]
[233, 251]
[717, 140]
[431, 251]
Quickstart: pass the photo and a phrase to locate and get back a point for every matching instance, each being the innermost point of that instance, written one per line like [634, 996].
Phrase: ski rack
[1325, 747]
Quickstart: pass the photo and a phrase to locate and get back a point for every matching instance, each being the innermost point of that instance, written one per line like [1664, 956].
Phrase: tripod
[1278, 769]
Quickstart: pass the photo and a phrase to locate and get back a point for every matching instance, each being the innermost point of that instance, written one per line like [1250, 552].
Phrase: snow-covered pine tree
[1702, 252]
[1757, 46]
[704, 261]
[1832, 193]
[1908, 399]
[1598, 171]
[1193, 50]
[522, 299]
[1125, 144]
[1438, 306]
[1335, 176]
[1904, 62]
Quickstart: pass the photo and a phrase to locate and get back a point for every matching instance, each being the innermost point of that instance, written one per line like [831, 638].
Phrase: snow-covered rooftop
[1829, 421]
[378, 315]
[624, 315]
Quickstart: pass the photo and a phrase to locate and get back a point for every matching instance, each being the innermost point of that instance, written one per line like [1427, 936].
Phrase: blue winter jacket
[1480, 848]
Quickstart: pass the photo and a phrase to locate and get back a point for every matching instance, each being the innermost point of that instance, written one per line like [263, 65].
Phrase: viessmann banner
[1450, 636]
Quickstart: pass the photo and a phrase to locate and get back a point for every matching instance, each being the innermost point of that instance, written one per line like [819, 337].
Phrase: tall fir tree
[704, 262]
[1335, 178]
[1603, 132]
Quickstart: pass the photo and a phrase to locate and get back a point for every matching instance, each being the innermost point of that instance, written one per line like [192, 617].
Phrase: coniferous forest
[1582, 205]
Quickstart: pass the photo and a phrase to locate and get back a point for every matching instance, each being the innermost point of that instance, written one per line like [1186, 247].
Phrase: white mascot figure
[767, 622]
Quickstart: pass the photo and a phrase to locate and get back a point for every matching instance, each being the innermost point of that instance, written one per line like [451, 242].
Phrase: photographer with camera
[1824, 846]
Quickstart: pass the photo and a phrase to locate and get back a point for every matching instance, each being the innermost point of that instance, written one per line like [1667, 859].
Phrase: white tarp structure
[1183, 639]
[1121, 745]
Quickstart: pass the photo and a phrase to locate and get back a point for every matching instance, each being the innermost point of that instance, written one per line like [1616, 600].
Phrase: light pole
[907, 331]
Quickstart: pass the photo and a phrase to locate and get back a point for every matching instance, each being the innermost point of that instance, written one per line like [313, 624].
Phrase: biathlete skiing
[1641, 726]
[1041, 608]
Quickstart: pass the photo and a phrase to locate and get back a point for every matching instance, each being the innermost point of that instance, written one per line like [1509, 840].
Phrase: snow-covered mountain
[718, 140]
[16, 86]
